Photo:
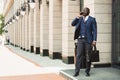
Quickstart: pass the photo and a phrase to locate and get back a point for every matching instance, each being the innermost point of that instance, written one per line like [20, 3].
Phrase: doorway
[116, 33]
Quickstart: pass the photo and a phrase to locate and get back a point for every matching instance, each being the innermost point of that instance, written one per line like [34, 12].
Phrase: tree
[1, 24]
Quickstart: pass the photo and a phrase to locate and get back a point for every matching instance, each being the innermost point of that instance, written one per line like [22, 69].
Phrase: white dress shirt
[85, 18]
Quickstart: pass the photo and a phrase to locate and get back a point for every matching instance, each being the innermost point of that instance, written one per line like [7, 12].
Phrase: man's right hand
[78, 16]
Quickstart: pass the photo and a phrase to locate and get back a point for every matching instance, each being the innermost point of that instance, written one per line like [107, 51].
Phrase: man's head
[86, 11]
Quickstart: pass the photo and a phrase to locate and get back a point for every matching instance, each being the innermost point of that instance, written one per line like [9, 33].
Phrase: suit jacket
[91, 27]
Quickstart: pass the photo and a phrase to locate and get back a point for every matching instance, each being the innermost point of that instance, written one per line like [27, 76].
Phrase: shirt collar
[86, 18]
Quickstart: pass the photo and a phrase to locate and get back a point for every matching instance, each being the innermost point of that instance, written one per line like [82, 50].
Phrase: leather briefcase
[94, 55]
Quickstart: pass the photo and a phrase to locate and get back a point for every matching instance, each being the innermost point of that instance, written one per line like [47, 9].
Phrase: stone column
[55, 29]
[11, 36]
[15, 33]
[37, 28]
[20, 30]
[9, 32]
[20, 18]
[70, 9]
[44, 28]
[15, 23]
[31, 30]
[18, 25]
[17, 29]
[23, 32]
[27, 29]
[102, 11]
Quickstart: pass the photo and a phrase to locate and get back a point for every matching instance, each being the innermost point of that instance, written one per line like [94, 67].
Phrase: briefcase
[94, 55]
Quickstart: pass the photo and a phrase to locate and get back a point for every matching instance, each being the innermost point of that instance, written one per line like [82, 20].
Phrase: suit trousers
[81, 46]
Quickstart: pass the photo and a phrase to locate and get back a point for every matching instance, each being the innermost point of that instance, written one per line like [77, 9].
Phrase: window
[81, 4]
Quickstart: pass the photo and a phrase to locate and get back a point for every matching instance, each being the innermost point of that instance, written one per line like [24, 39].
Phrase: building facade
[46, 29]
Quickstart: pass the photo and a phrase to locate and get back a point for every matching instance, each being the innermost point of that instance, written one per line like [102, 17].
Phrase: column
[27, 29]
[37, 28]
[55, 29]
[70, 9]
[9, 33]
[104, 26]
[44, 28]
[23, 32]
[15, 33]
[31, 30]
[20, 27]
[12, 33]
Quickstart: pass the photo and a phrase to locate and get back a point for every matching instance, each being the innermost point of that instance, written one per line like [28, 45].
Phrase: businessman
[86, 34]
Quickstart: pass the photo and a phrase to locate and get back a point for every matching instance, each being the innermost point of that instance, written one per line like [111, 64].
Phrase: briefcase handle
[94, 48]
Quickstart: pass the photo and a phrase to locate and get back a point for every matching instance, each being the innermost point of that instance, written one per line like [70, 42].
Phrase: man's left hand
[94, 43]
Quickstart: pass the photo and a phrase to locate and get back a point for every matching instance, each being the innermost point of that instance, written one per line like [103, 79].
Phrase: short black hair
[88, 10]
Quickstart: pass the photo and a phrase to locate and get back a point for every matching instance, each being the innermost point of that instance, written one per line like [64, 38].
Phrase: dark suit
[91, 28]
[84, 43]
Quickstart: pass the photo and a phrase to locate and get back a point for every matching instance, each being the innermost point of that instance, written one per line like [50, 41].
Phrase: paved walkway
[43, 61]
[16, 67]
[108, 73]
[16, 64]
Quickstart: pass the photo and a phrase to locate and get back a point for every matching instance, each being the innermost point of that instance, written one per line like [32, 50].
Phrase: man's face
[86, 11]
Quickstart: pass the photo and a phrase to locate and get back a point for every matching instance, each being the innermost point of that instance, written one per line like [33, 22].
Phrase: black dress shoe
[87, 74]
[76, 74]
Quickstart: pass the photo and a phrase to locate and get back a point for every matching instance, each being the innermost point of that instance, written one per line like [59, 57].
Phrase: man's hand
[78, 16]
[94, 43]
[81, 13]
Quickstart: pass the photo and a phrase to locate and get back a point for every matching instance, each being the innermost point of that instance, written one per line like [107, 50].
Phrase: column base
[55, 55]
[102, 65]
[45, 52]
[37, 50]
[12, 44]
[31, 49]
[16, 45]
[23, 49]
[27, 50]
[68, 59]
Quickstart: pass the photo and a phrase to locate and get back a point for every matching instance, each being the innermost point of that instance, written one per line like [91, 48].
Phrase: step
[95, 74]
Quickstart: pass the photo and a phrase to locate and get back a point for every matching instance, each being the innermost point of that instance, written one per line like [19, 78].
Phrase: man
[86, 34]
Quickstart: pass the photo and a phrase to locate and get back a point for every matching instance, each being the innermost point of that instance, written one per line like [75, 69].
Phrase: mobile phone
[81, 13]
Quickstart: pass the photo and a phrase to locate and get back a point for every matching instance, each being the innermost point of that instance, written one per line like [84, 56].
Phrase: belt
[82, 37]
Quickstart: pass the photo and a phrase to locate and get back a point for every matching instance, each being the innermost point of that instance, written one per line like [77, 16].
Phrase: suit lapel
[87, 19]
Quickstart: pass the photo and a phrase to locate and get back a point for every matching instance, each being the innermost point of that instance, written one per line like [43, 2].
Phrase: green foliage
[1, 24]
